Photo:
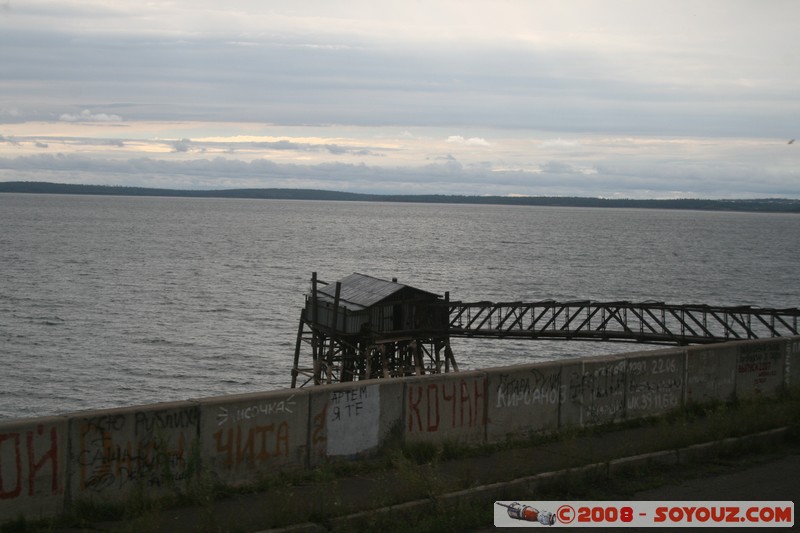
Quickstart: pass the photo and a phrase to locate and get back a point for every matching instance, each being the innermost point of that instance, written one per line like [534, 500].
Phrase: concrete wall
[523, 399]
[245, 437]
[446, 407]
[115, 451]
[760, 367]
[48, 464]
[33, 467]
[655, 382]
[711, 373]
[792, 371]
[349, 420]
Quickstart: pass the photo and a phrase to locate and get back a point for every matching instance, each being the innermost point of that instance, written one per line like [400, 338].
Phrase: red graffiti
[256, 444]
[318, 435]
[28, 458]
[6, 494]
[454, 404]
[108, 458]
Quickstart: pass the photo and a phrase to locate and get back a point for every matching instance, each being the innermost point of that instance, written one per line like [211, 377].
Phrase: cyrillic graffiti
[254, 444]
[654, 384]
[532, 388]
[449, 404]
[761, 362]
[348, 403]
[20, 472]
[352, 421]
[115, 450]
[260, 409]
[600, 390]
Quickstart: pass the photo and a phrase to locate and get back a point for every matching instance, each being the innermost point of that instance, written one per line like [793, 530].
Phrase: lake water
[113, 301]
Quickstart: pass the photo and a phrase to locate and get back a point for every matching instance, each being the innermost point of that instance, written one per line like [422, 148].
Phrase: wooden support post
[297, 347]
[384, 362]
[329, 362]
[334, 327]
[416, 352]
[448, 356]
[316, 349]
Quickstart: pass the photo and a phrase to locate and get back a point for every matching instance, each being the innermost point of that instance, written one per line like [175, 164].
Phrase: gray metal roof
[361, 291]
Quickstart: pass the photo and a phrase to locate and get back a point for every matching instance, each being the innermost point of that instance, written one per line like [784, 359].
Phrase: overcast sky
[611, 98]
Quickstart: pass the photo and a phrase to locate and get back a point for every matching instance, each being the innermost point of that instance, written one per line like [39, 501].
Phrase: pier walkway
[649, 322]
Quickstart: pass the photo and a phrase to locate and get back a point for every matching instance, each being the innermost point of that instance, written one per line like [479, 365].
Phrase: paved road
[777, 479]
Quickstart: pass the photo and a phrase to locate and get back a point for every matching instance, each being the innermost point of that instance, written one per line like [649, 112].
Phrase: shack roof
[360, 291]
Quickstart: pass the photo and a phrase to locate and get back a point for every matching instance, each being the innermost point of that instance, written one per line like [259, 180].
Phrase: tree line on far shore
[774, 205]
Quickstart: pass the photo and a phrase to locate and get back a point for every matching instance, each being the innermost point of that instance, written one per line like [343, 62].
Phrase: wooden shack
[363, 327]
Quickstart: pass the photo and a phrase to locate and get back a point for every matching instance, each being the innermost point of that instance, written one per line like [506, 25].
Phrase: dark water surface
[111, 301]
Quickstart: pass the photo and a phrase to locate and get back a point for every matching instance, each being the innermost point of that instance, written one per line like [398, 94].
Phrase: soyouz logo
[530, 514]
[645, 514]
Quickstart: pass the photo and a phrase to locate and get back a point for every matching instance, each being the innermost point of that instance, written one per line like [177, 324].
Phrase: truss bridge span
[647, 322]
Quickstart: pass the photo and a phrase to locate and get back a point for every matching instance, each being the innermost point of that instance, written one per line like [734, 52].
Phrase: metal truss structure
[647, 322]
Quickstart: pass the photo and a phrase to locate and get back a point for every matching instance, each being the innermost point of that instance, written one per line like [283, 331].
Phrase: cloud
[11, 113]
[472, 141]
[184, 145]
[559, 143]
[557, 167]
[87, 116]
[311, 147]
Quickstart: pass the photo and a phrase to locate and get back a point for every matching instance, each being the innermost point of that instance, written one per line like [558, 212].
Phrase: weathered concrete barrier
[654, 382]
[793, 362]
[246, 437]
[711, 373]
[523, 399]
[116, 451]
[595, 391]
[49, 464]
[351, 420]
[760, 367]
[33, 467]
[446, 407]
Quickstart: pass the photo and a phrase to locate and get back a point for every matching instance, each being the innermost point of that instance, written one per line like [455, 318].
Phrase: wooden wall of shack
[407, 311]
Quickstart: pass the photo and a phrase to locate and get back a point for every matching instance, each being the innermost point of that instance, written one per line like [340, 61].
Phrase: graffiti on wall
[29, 463]
[349, 422]
[454, 403]
[654, 383]
[759, 366]
[710, 375]
[531, 388]
[252, 444]
[599, 388]
[116, 450]
[255, 410]
[250, 434]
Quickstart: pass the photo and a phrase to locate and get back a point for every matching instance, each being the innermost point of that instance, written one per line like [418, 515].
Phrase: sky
[605, 98]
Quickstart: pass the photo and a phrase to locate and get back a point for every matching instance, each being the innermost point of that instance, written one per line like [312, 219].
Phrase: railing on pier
[648, 322]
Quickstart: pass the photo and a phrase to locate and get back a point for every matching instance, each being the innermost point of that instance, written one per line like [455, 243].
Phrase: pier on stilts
[363, 327]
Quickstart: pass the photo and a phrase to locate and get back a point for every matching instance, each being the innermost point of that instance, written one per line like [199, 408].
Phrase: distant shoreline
[762, 205]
